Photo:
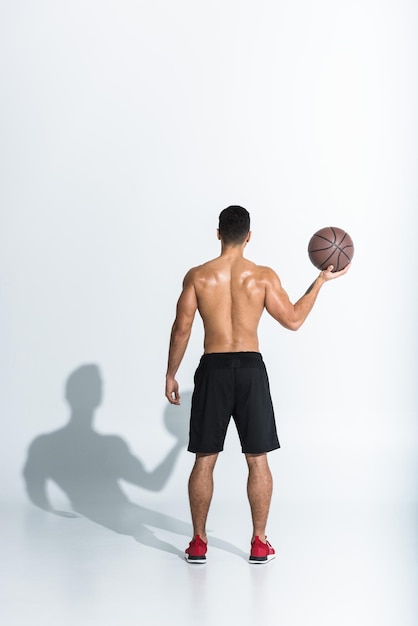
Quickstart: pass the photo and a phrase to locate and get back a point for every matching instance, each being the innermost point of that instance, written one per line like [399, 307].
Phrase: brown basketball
[331, 246]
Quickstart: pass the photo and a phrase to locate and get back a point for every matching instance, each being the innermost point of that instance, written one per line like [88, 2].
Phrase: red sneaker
[261, 552]
[196, 552]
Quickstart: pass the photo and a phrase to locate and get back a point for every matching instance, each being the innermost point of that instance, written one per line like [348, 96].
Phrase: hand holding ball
[331, 246]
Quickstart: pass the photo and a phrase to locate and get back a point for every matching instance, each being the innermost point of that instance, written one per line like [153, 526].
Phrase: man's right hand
[172, 390]
[328, 274]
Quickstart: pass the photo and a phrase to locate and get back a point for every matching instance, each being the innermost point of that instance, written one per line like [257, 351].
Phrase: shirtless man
[230, 293]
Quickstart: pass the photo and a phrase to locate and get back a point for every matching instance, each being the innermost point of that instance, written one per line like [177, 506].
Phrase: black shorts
[232, 384]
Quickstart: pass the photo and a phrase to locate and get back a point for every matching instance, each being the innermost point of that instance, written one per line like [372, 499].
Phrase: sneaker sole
[261, 560]
[195, 559]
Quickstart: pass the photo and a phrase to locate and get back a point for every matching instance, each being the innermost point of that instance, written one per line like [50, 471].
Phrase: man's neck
[232, 251]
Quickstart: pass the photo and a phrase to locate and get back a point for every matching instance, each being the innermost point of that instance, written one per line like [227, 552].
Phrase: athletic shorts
[232, 384]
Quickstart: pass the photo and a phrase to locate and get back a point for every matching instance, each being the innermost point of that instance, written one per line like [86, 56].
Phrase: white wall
[127, 126]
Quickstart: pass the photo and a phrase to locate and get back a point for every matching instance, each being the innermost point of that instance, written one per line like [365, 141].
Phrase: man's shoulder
[201, 269]
[263, 271]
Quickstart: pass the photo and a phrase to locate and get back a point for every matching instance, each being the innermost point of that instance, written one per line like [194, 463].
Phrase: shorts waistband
[231, 359]
[232, 354]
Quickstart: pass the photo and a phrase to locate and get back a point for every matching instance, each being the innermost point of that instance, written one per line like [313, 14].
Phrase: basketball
[331, 246]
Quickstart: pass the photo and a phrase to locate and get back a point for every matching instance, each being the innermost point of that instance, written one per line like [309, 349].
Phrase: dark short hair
[234, 225]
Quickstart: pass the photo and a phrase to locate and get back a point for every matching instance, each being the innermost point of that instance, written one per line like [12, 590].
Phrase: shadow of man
[88, 466]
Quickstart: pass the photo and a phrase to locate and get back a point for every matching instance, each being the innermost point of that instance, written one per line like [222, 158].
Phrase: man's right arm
[180, 334]
[278, 304]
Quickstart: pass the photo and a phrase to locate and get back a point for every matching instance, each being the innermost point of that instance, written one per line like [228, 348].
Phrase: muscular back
[230, 293]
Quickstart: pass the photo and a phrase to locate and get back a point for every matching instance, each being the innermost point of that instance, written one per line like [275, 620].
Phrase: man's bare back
[230, 295]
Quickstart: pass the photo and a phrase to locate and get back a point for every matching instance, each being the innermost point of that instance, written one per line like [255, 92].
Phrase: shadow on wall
[88, 466]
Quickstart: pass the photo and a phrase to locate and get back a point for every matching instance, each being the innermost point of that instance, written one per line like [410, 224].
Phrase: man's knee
[256, 460]
[206, 460]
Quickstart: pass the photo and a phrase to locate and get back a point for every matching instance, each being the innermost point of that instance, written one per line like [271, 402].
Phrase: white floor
[345, 565]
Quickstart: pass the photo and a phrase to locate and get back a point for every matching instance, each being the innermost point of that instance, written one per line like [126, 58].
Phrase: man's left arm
[180, 335]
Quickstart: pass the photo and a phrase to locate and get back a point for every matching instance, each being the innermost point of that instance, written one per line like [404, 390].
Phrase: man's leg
[200, 491]
[259, 488]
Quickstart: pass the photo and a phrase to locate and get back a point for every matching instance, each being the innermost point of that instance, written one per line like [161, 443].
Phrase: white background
[126, 127]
